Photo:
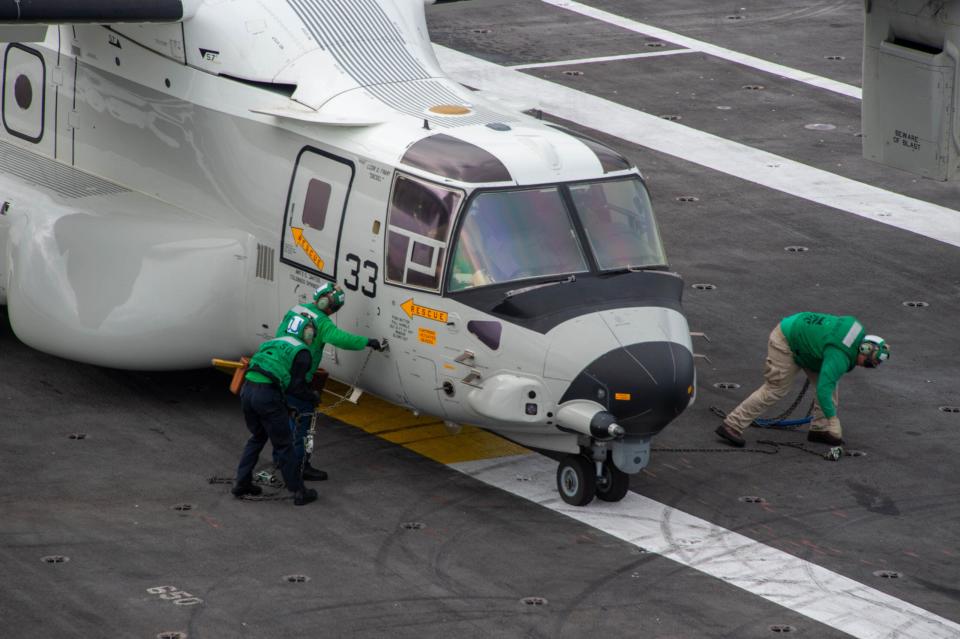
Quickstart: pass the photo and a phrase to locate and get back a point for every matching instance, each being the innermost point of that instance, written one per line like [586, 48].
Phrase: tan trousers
[778, 375]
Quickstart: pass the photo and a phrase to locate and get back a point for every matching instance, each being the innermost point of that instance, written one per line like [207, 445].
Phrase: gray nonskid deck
[399, 546]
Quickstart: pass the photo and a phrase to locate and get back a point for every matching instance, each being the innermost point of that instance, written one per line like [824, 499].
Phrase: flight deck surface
[423, 533]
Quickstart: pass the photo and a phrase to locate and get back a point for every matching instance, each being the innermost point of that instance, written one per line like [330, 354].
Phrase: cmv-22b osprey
[176, 174]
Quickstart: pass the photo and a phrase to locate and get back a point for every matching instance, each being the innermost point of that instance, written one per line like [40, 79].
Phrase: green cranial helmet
[301, 327]
[329, 296]
[875, 350]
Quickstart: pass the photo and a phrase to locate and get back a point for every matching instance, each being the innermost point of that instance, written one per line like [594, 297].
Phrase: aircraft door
[314, 215]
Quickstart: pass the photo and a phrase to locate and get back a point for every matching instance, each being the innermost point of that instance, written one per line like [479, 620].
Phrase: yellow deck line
[423, 434]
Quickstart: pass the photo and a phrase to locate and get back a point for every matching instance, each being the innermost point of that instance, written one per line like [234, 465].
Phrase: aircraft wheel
[613, 484]
[576, 480]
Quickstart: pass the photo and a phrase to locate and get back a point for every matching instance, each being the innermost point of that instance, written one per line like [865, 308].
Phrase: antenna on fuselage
[426, 124]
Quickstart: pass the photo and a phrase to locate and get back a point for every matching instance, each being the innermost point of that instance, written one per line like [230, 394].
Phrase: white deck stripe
[766, 169]
[606, 58]
[705, 47]
[777, 576]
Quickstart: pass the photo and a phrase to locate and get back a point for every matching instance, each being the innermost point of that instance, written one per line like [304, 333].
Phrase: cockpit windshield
[513, 235]
[522, 234]
[619, 222]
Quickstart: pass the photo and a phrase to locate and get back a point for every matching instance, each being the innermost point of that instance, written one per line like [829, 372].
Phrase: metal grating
[265, 259]
[377, 57]
[65, 180]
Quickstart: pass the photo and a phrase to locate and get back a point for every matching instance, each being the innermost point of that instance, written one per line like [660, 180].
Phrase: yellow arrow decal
[305, 245]
[412, 309]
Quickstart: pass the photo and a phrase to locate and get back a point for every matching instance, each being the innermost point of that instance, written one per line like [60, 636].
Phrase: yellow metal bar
[236, 369]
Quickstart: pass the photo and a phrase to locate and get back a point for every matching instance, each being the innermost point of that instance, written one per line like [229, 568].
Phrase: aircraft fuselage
[163, 209]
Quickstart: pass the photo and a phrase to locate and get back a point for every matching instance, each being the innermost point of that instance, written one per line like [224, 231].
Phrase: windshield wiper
[637, 269]
[526, 289]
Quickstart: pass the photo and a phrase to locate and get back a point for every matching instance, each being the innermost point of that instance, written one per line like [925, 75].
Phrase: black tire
[614, 483]
[576, 480]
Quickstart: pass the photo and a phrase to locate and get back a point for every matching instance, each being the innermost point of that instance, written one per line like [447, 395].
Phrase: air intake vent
[265, 256]
[65, 180]
[406, 83]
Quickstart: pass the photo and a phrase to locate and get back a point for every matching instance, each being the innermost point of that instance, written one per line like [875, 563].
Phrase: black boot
[304, 496]
[313, 474]
[731, 436]
[239, 490]
[824, 437]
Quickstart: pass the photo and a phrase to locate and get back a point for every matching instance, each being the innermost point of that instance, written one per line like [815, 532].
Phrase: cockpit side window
[417, 231]
[514, 235]
[619, 222]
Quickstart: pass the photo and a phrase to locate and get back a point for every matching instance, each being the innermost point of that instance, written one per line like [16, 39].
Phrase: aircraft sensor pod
[589, 418]
[509, 398]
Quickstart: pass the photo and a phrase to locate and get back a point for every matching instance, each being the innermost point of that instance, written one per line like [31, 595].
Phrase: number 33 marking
[352, 280]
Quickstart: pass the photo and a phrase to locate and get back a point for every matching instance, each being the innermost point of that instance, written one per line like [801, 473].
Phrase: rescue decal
[412, 309]
[427, 336]
[305, 245]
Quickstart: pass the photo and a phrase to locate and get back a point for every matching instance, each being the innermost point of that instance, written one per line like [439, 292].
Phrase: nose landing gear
[612, 483]
[576, 480]
[580, 478]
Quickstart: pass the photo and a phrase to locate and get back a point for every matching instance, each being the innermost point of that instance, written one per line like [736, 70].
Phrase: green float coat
[826, 344]
[275, 356]
[327, 333]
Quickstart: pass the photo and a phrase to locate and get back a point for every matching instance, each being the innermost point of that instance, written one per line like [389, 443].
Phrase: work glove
[374, 344]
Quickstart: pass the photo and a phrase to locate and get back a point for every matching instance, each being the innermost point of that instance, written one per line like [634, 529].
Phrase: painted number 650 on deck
[178, 597]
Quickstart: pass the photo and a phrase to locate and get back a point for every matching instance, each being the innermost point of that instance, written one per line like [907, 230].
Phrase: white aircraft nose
[644, 386]
[635, 363]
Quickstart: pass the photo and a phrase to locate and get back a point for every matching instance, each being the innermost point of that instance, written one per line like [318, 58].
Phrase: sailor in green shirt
[824, 347]
[327, 300]
[276, 369]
